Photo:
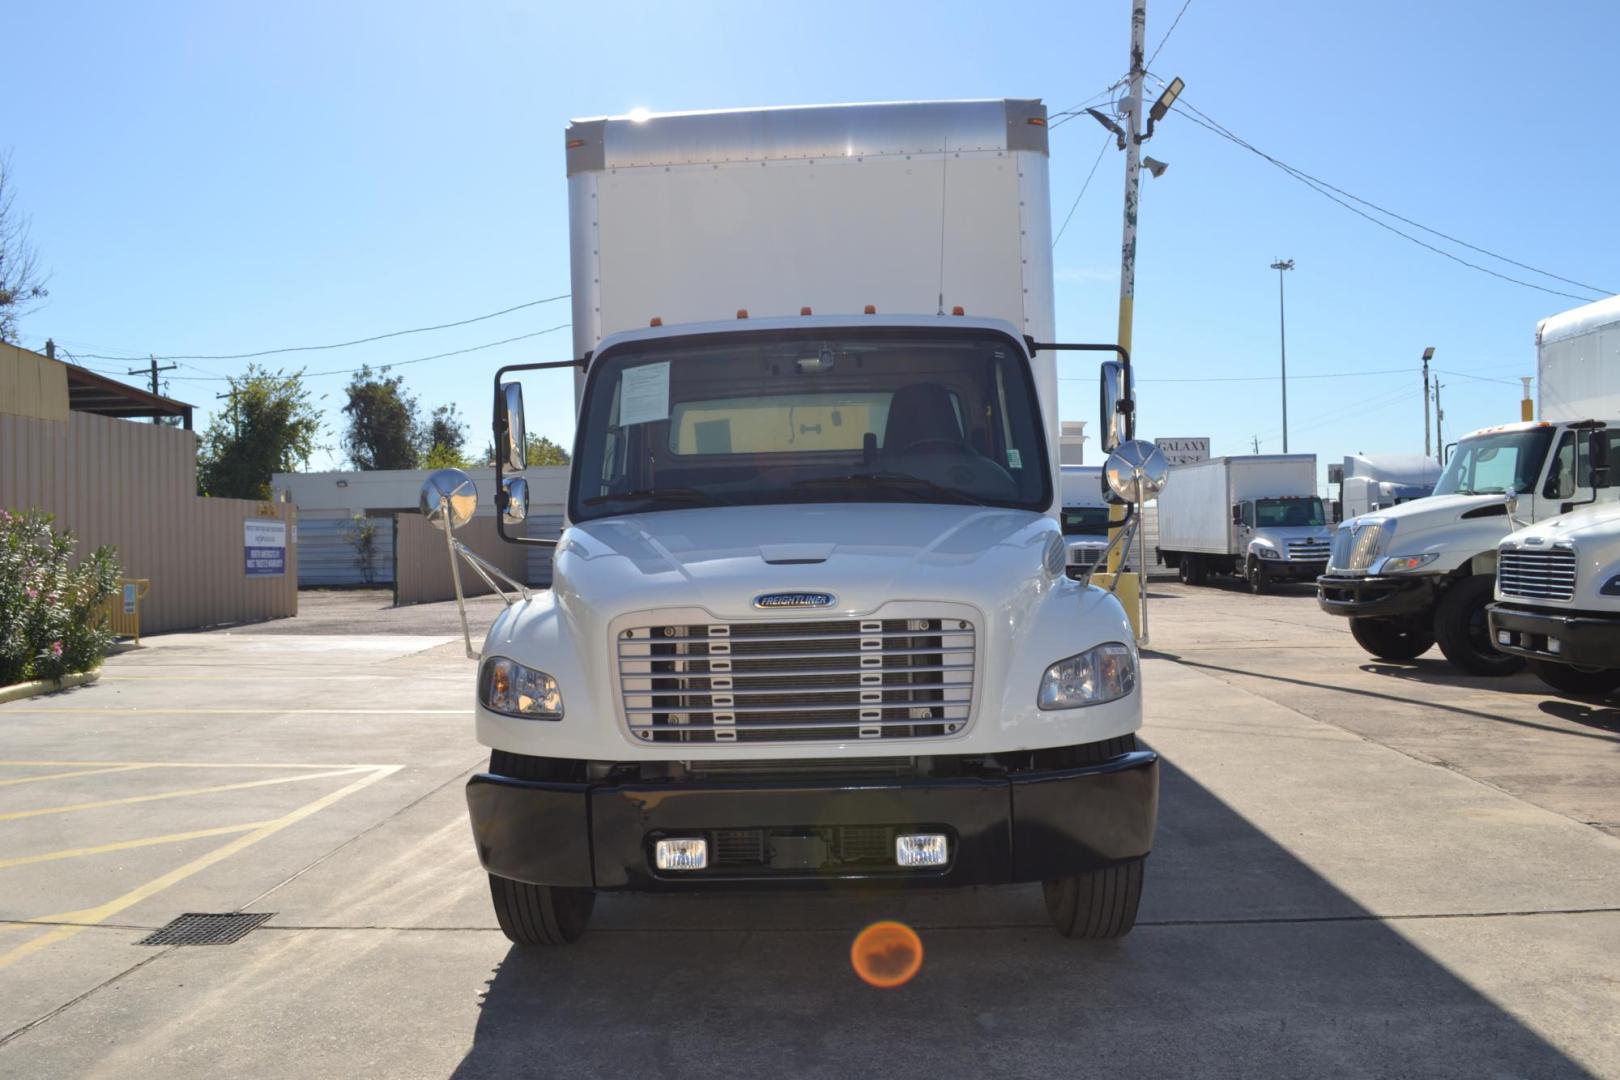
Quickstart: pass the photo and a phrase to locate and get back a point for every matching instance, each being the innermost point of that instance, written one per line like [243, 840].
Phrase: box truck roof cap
[805, 132]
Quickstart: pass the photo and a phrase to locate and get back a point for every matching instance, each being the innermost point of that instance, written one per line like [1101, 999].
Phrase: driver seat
[922, 413]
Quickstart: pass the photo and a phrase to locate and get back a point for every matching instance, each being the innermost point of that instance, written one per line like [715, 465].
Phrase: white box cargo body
[1195, 507]
[1578, 363]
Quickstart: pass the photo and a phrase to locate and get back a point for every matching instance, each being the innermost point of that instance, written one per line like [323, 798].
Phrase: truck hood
[1437, 511]
[1598, 521]
[721, 558]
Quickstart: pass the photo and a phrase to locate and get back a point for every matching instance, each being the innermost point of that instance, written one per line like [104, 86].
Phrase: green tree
[384, 430]
[22, 283]
[445, 440]
[542, 451]
[270, 426]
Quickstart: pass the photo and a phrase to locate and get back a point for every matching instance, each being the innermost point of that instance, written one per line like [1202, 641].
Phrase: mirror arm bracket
[500, 432]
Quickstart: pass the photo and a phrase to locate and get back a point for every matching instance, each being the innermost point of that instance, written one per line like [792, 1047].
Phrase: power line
[1480, 378]
[1263, 378]
[339, 344]
[395, 363]
[1327, 190]
[1173, 24]
[1063, 116]
[1075, 205]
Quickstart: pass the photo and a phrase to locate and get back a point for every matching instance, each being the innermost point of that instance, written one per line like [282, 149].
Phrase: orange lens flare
[886, 954]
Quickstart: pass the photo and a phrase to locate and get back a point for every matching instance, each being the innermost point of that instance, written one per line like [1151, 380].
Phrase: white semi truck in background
[1256, 516]
[809, 623]
[1425, 572]
[1085, 517]
[1558, 581]
[1369, 482]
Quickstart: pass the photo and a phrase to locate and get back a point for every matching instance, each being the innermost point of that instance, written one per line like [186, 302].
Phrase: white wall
[400, 489]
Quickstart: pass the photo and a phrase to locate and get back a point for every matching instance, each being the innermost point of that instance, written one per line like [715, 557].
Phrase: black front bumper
[1373, 597]
[1027, 826]
[1588, 641]
[1290, 570]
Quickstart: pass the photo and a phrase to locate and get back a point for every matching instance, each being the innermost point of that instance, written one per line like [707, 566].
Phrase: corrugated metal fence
[134, 486]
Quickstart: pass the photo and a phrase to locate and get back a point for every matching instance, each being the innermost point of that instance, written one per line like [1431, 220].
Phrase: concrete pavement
[1358, 872]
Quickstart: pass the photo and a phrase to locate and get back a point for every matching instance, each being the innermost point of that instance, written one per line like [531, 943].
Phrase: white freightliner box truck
[809, 622]
[1558, 581]
[1257, 516]
[1424, 572]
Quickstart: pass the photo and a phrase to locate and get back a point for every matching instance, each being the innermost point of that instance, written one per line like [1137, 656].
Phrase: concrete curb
[18, 691]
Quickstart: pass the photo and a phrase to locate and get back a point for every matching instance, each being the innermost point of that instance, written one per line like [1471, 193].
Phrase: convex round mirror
[1136, 471]
[514, 448]
[517, 500]
[449, 498]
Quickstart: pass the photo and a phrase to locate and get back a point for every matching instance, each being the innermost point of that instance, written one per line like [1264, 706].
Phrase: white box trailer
[812, 573]
[1258, 516]
[1578, 363]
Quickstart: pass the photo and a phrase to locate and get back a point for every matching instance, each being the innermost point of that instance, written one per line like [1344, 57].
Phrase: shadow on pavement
[1577, 712]
[1245, 962]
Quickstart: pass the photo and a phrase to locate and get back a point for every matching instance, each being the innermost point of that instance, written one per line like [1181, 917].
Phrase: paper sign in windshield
[644, 394]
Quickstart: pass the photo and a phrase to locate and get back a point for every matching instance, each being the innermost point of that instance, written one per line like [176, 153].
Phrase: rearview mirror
[1115, 402]
[511, 438]
[1136, 471]
[1598, 459]
[516, 510]
[1237, 515]
[448, 499]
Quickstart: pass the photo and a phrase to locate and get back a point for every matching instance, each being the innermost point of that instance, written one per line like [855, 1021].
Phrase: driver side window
[1561, 475]
[1248, 514]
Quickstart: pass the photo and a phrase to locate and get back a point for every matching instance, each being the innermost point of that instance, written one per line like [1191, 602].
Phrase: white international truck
[1256, 516]
[809, 624]
[1558, 581]
[1425, 572]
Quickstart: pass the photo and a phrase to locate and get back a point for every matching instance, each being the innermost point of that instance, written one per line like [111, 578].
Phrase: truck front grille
[810, 681]
[1538, 575]
[1355, 547]
[1308, 550]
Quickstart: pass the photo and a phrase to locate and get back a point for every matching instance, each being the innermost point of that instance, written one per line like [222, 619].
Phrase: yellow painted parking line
[124, 845]
[67, 775]
[199, 764]
[88, 917]
[179, 794]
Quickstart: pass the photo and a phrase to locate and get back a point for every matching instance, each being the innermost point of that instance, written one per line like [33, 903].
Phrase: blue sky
[221, 178]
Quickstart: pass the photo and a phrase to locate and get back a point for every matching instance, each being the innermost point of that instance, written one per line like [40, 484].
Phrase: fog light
[682, 853]
[921, 849]
[1504, 637]
[1554, 645]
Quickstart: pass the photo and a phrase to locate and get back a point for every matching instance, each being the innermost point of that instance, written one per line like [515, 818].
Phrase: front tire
[1577, 681]
[540, 915]
[1191, 570]
[1255, 575]
[1097, 905]
[1394, 639]
[1464, 632]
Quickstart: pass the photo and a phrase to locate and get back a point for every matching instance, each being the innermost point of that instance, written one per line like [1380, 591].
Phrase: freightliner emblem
[794, 600]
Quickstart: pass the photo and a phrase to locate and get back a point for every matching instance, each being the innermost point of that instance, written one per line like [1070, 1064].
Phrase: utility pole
[1133, 173]
[1428, 354]
[1439, 419]
[1256, 441]
[151, 368]
[1281, 265]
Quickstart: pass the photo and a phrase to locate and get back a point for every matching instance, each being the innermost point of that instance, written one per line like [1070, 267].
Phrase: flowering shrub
[52, 621]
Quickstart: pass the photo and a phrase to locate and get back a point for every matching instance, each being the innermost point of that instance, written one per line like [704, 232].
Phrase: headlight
[506, 686]
[1091, 678]
[1401, 564]
[1266, 551]
[1611, 587]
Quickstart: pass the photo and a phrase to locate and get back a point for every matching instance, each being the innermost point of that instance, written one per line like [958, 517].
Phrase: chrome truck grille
[1538, 575]
[1308, 550]
[803, 681]
[1354, 549]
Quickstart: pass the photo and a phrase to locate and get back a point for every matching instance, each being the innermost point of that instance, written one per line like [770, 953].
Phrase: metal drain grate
[196, 928]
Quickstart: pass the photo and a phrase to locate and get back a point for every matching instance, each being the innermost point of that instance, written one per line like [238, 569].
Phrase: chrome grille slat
[835, 680]
[1538, 575]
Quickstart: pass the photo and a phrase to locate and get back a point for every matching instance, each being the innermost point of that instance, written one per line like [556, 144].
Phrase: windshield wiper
[672, 494]
[893, 480]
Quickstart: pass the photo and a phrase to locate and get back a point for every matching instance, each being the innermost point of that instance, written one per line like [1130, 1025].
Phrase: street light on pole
[1282, 330]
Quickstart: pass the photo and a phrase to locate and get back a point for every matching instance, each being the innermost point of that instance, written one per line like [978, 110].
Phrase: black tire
[540, 914]
[1394, 639]
[1574, 680]
[1097, 905]
[1191, 570]
[1254, 575]
[1464, 633]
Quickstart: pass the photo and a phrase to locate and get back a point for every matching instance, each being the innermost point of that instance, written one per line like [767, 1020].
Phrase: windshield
[1275, 513]
[1085, 521]
[810, 417]
[1496, 464]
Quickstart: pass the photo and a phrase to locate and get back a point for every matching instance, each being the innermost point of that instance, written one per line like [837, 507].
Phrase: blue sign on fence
[264, 551]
